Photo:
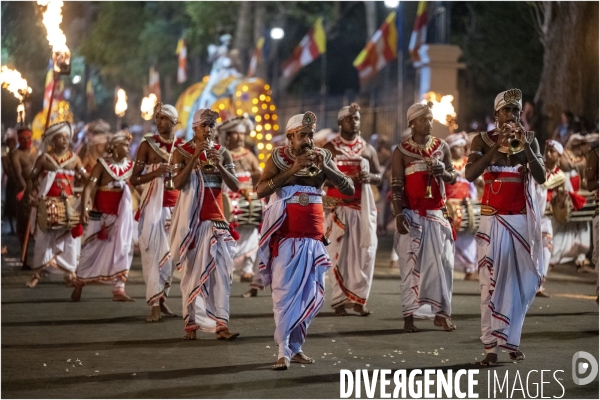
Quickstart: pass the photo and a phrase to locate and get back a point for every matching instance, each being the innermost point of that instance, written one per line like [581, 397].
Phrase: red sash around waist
[504, 192]
[61, 182]
[460, 190]
[212, 208]
[107, 201]
[170, 198]
[415, 189]
[303, 221]
[352, 171]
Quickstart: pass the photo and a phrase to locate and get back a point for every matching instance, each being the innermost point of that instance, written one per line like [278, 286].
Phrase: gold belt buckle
[303, 199]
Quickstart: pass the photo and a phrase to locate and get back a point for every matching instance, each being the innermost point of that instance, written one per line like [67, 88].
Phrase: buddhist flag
[49, 83]
[91, 96]
[419, 33]
[311, 46]
[256, 57]
[182, 61]
[154, 82]
[381, 49]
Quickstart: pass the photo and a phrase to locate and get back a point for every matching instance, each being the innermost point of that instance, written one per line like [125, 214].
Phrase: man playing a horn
[154, 214]
[424, 240]
[106, 251]
[509, 239]
[351, 223]
[55, 247]
[201, 243]
[246, 206]
[293, 258]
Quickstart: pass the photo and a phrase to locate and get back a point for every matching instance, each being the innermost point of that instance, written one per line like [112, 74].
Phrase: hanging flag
[154, 82]
[91, 96]
[419, 33]
[311, 46]
[381, 49]
[181, 60]
[256, 57]
[49, 83]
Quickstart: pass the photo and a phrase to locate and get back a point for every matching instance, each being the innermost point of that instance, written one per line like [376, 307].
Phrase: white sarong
[54, 250]
[205, 254]
[153, 232]
[247, 246]
[295, 274]
[426, 258]
[109, 260]
[510, 254]
[570, 242]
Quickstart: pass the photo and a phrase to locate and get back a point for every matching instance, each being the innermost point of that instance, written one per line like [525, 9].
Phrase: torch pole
[54, 82]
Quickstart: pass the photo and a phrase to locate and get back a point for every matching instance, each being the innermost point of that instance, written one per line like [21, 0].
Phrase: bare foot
[33, 281]
[443, 322]
[302, 358]
[340, 311]
[70, 280]
[250, 293]
[76, 295]
[282, 364]
[190, 335]
[154, 314]
[409, 324]
[121, 297]
[226, 335]
[516, 356]
[246, 277]
[542, 293]
[165, 310]
[489, 360]
[471, 276]
[361, 310]
[585, 269]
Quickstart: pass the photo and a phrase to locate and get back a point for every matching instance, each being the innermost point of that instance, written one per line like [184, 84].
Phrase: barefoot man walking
[293, 258]
[425, 239]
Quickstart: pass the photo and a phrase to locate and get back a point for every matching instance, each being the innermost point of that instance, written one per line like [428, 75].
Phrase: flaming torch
[442, 110]
[17, 85]
[147, 109]
[61, 55]
[120, 106]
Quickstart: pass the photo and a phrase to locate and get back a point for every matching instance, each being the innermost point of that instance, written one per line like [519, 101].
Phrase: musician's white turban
[511, 96]
[60, 127]
[348, 110]
[418, 109]
[457, 139]
[204, 115]
[167, 110]
[556, 146]
[301, 121]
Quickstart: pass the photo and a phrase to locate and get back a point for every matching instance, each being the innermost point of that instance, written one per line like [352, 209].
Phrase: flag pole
[400, 57]
[324, 81]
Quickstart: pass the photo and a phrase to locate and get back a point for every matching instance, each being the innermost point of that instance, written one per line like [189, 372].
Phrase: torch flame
[121, 104]
[14, 82]
[52, 19]
[147, 106]
[442, 110]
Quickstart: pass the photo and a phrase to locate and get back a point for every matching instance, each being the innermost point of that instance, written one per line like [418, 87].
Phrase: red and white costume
[203, 249]
[509, 250]
[426, 253]
[465, 256]
[352, 229]
[56, 248]
[154, 221]
[106, 251]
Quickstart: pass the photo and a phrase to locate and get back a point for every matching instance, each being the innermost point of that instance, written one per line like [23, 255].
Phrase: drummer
[351, 226]
[465, 254]
[56, 249]
[232, 134]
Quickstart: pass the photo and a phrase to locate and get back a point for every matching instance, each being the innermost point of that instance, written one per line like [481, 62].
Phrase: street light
[277, 33]
[120, 106]
[391, 4]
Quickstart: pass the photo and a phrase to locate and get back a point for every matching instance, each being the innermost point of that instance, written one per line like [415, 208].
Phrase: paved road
[53, 348]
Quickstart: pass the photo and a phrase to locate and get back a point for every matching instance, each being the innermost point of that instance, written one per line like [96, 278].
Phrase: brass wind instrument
[208, 167]
[515, 142]
[428, 194]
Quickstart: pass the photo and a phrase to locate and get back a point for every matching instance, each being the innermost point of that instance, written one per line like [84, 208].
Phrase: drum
[585, 213]
[465, 214]
[247, 209]
[57, 213]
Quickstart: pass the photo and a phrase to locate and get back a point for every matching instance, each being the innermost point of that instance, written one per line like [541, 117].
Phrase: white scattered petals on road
[441, 348]
[303, 366]
[402, 361]
[332, 340]
[97, 354]
[69, 360]
[67, 369]
[96, 371]
[368, 365]
[133, 374]
[355, 357]
[268, 347]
